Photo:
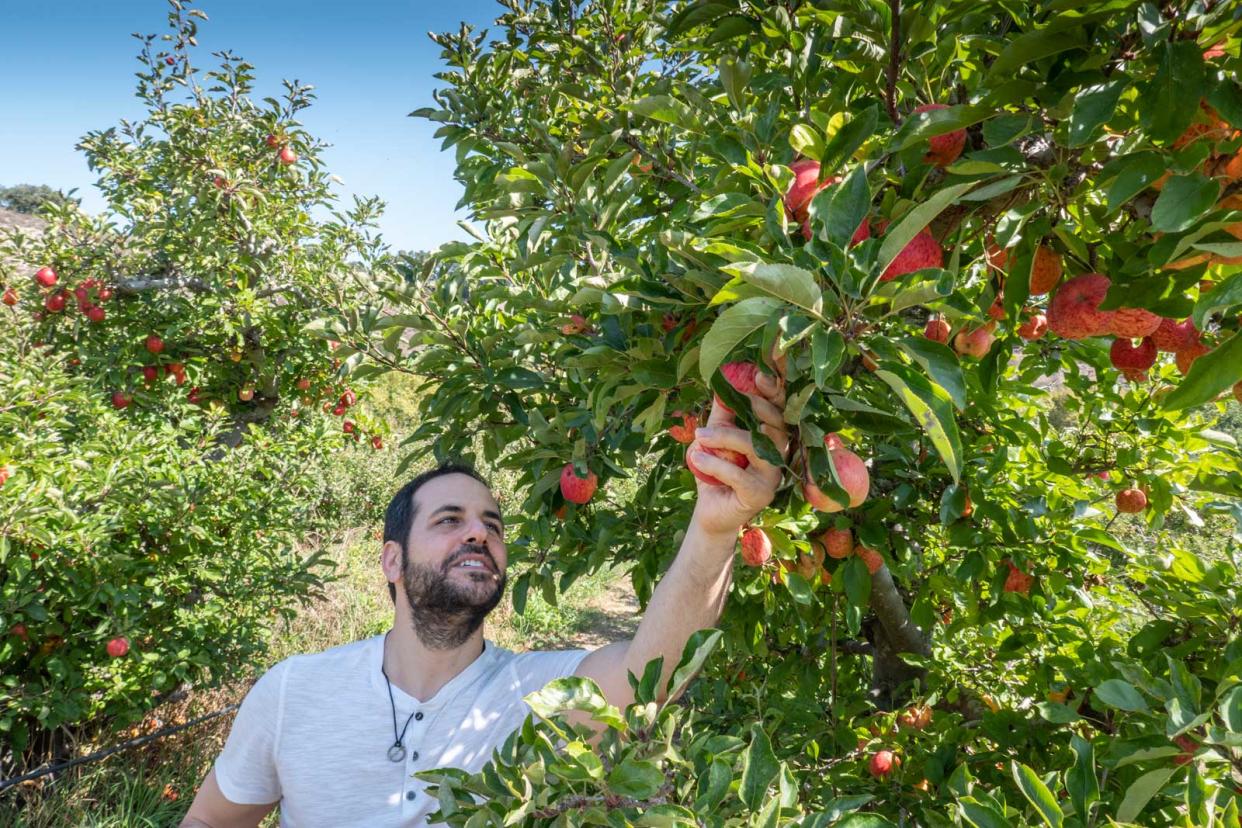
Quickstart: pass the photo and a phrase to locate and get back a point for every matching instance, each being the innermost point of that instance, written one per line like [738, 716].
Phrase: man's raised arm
[691, 595]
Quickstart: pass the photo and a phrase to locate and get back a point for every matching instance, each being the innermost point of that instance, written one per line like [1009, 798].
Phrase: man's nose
[476, 531]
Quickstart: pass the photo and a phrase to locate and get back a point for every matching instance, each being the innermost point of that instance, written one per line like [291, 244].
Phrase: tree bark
[893, 635]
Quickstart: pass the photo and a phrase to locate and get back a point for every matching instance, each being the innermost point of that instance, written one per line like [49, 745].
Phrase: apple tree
[166, 415]
[991, 250]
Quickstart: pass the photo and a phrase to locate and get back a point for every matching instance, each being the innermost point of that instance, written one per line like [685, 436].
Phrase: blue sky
[69, 68]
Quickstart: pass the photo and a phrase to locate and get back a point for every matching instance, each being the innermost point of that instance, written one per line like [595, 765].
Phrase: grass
[153, 785]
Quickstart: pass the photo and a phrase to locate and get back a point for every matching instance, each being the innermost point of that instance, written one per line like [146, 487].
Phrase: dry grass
[153, 785]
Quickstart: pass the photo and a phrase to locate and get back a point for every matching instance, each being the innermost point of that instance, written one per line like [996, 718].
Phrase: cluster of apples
[923, 250]
[90, 295]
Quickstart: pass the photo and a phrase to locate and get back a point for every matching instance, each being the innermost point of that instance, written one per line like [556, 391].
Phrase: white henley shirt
[314, 732]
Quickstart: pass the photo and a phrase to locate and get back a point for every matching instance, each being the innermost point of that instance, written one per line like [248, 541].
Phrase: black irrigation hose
[5, 784]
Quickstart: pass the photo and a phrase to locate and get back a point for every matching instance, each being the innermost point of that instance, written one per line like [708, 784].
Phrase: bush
[113, 529]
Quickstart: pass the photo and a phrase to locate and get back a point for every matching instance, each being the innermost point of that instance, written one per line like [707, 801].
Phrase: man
[334, 737]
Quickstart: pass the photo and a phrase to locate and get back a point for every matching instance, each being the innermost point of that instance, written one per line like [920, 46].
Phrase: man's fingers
[767, 412]
[740, 440]
[734, 439]
[771, 388]
[726, 472]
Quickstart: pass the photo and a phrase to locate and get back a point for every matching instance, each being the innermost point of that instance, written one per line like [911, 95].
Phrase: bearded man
[334, 738]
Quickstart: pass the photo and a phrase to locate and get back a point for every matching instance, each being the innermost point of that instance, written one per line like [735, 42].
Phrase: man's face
[454, 563]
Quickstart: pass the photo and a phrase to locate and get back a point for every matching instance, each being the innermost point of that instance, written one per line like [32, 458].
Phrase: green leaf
[898, 236]
[696, 14]
[729, 28]
[932, 408]
[727, 204]
[759, 768]
[697, 649]
[733, 325]
[1226, 99]
[1121, 695]
[1034, 45]
[1005, 128]
[1210, 374]
[1146, 755]
[793, 284]
[940, 363]
[713, 788]
[1037, 793]
[1183, 201]
[1220, 298]
[839, 209]
[827, 350]
[639, 778]
[1136, 173]
[734, 77]
[1093, 107]
[848, 139]
[1081, 780]
[1231, 709]
[838, 807]
[806, 140]
[864, 821]
[857, 582]
[981, 815]
[1171, 98]
[574, 693]
[1140, 793]
[667, 109]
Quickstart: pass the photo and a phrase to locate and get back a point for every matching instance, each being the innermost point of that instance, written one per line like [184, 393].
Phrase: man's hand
[723, 510]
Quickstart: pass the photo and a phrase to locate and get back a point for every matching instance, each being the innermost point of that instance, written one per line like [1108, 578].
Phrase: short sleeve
[536, 669]
[246, 768]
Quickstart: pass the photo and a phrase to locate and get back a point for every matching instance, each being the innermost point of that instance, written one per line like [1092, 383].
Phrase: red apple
[45, 276]
[288, 156]
[118, 646]
[577, 489]
[882, 763]
[154, 344]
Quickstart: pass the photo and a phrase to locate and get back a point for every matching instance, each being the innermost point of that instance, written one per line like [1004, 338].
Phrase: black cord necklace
[396, 753]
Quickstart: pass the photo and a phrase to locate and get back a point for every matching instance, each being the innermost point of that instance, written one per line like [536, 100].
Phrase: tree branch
[894, 62]
[891, 610]
[145, 283]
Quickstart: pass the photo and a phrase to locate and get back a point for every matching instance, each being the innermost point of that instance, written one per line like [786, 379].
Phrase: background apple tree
[166, 419]
[1034, 616]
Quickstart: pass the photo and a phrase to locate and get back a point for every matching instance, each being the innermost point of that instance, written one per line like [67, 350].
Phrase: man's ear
[390, 561]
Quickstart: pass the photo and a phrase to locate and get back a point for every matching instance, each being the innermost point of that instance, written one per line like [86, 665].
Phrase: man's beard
[443, 613]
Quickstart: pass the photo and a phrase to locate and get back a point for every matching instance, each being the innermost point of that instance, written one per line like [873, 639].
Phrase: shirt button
[414, 756]
[410, 795]
[418, 717]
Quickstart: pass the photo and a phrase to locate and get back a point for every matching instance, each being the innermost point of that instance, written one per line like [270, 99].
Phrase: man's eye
[442, 520]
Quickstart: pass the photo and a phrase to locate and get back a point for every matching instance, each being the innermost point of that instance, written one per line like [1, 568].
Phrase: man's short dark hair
[399, 516]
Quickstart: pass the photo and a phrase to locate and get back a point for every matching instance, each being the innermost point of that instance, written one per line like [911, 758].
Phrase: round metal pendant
[396, 753]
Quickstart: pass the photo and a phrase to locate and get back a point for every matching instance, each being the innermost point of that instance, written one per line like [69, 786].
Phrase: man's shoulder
[331, 661]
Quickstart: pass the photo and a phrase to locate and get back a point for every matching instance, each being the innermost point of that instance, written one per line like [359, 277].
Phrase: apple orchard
[992, 250]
